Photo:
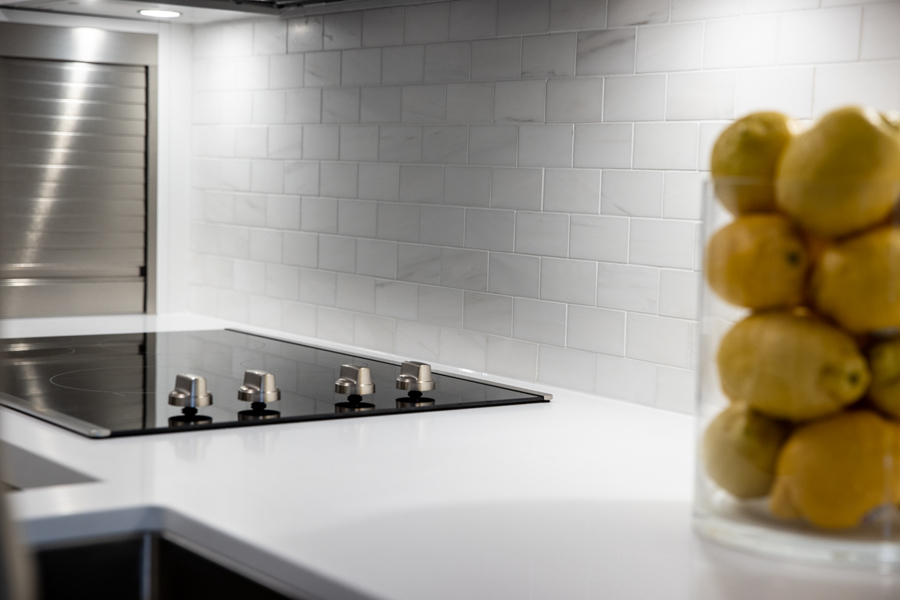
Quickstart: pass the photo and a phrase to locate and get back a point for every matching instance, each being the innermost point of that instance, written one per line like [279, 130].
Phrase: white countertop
[582, 498]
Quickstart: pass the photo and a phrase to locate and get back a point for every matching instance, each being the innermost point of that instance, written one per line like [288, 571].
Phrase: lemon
[758, 261]
[884, 360]
[791, 366]
[835, 471]
[744, 159]
[841, 175]
[857, 281]
[740, 447]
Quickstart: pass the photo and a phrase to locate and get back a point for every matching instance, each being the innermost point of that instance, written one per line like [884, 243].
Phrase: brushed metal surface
[42, 297]
[77, 44]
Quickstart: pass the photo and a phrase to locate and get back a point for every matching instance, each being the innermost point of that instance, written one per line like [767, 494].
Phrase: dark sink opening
[147, 566]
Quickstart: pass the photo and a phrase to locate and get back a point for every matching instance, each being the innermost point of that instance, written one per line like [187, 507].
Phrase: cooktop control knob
[415, 377]
[259, 386]
[355, 379]
[190, 391]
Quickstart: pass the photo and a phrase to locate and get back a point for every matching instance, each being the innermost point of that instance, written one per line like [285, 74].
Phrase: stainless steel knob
[259, 386]
[190, 391]
[355, 379]
[415, 377]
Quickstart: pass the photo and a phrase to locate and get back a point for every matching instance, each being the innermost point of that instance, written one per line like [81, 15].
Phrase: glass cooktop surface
[116, 385]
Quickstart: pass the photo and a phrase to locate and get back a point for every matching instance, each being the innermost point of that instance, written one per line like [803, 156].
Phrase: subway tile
[787, 89]
[427, 23]
[319, 287]
[355, 293]
[570, 281]
[398, 222]
[298, 318]
[282, 282]
[265, 246]
[635, 98]
[490, 229]
[467, 186]
[421, 184]
[676, 47]
[334, 325]
[679, 293]
[270, 37]
[543, 234]
[402, 64]
[319, 215]
[221, 174]
[383, 27]
[376, 333]
[625, 379]
[218, 206]
[397, 299]
[628, 287]
[548, 55]
[493, 145]
[470, 102]
[577, 14]
[359, 142]
[682, 195]
[514, 275]
[343, 30]
[248, 276]
[599, 238]
[361, 67]
[517, 188]
[605, 52]
[572, 190]
[539, 321]
[267, 176]
[441, 306]
[250, 210]
[547, 145]
[321, 142]
[497, 59]
[340, 105]
[698, 96]
[283, 212]
[743, 42]
[466, 349]
[400, 143]
[487, 313]
[517, 17]
[303, 106]
[443, 225]
[337, 253]
[596, 330]
[447, 62]
[213, 141]
[519, 101]
[636, 12]
[420, 340]
[768, 6]
[380, 105]
[379, 182]
[219, 108]
[575, 100]
[511, 358]
[473, 19]
[322, 69]
[300, 249]
[357, 218]
[377, 258]
[658, 339]
[871, 84]
[665, 145]
[424, 103]
[603, 146]
[265, 311]
[286, 71]
[467, 269]
[826, 35]
[304, 34]
[696, 10]
[676, 389]
[233, 39]
[572, 369]
[445, 144]
[662, 243]
[250, 142]
[268, 107]
[632, 193]
[879, 32]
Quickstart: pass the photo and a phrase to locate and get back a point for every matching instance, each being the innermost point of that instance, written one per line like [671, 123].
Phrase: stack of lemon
[813, 374]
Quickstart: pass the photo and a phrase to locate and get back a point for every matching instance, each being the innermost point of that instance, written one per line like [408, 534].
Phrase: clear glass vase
[798, 437]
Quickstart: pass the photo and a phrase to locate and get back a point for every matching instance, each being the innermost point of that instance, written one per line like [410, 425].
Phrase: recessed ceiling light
[160, 14]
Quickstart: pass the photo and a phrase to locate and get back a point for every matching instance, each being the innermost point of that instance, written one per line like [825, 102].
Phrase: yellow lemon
[842, 175]
[740, 447]
[835, 471]
[744, 159]
[884, 360]
[857, 281]
[758, 261]
[791, 366]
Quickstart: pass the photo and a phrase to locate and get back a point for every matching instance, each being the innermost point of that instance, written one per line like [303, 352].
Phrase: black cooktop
[117, 385]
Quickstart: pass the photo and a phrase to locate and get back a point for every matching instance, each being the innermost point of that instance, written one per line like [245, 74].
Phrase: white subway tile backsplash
[744, 42]
[570, 281]
[283, 212]
[695, 10]
[398, 222]
[397, 299]
[572, 191]
[319, 215]
[519, 101]
[265, 311]
[298, 318]
[359, 142]
[539, 321]
[577, 14]
[874, 84]
[300, 249]
[343, 30]
[632, 193]
[879, 32]
[658, 339]
[511, 358]
[516, 17]
[424, 103]
[635, 98]
[514, 275]
[249, 277]
[285, 141]
[269, 37]
[267, 176]
[421, 184]
[383, 27]
[376, 333]
[679, 293]
[575, 100]
[337, 253]
[636, 12]
[467, 349]
[473, 19]
[676, 389]
[487, 313]
[340, 105]
[596, 329]
[421, 264]
[377, 258]
[605, 52]
[441, 306]
[321, 142]
[625, 379]
[445, 144]
[467, 269]
[443, 226]
[265, 246]
[599, 238]
[268, 107]
[606, 146]
[665, 145]
[427, 23]
[361, 67]
[357, 218]
[213, 141]
[380, 105]
[573, 369]
[250, 210]
[286, 71]
[319, 287]
[662, 243]
[305, 34]
[403, 64]
[379, 182]
[548, 55]
[547, 145]
[467, 186]
[303, 106]
[493, 144]
[399, 143]
[250, 142]
[470, 102]
[695, 96]
[766, 6]
[786, 89]
[683, 195]
[497, 59]
[355, 293]
[801, 36]
[301, 178]
[543, 234]
[448, 62]
[490, 229]
[517, 188]
[417, 339]
[282, 282]
[628, 287]
[335, 325]
[322, 69]
[675, 47]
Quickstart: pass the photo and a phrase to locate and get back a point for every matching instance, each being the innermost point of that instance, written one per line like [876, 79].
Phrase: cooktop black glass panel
[116, 385]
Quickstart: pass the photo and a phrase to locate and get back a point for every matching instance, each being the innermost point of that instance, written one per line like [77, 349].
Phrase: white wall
[507, 186]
